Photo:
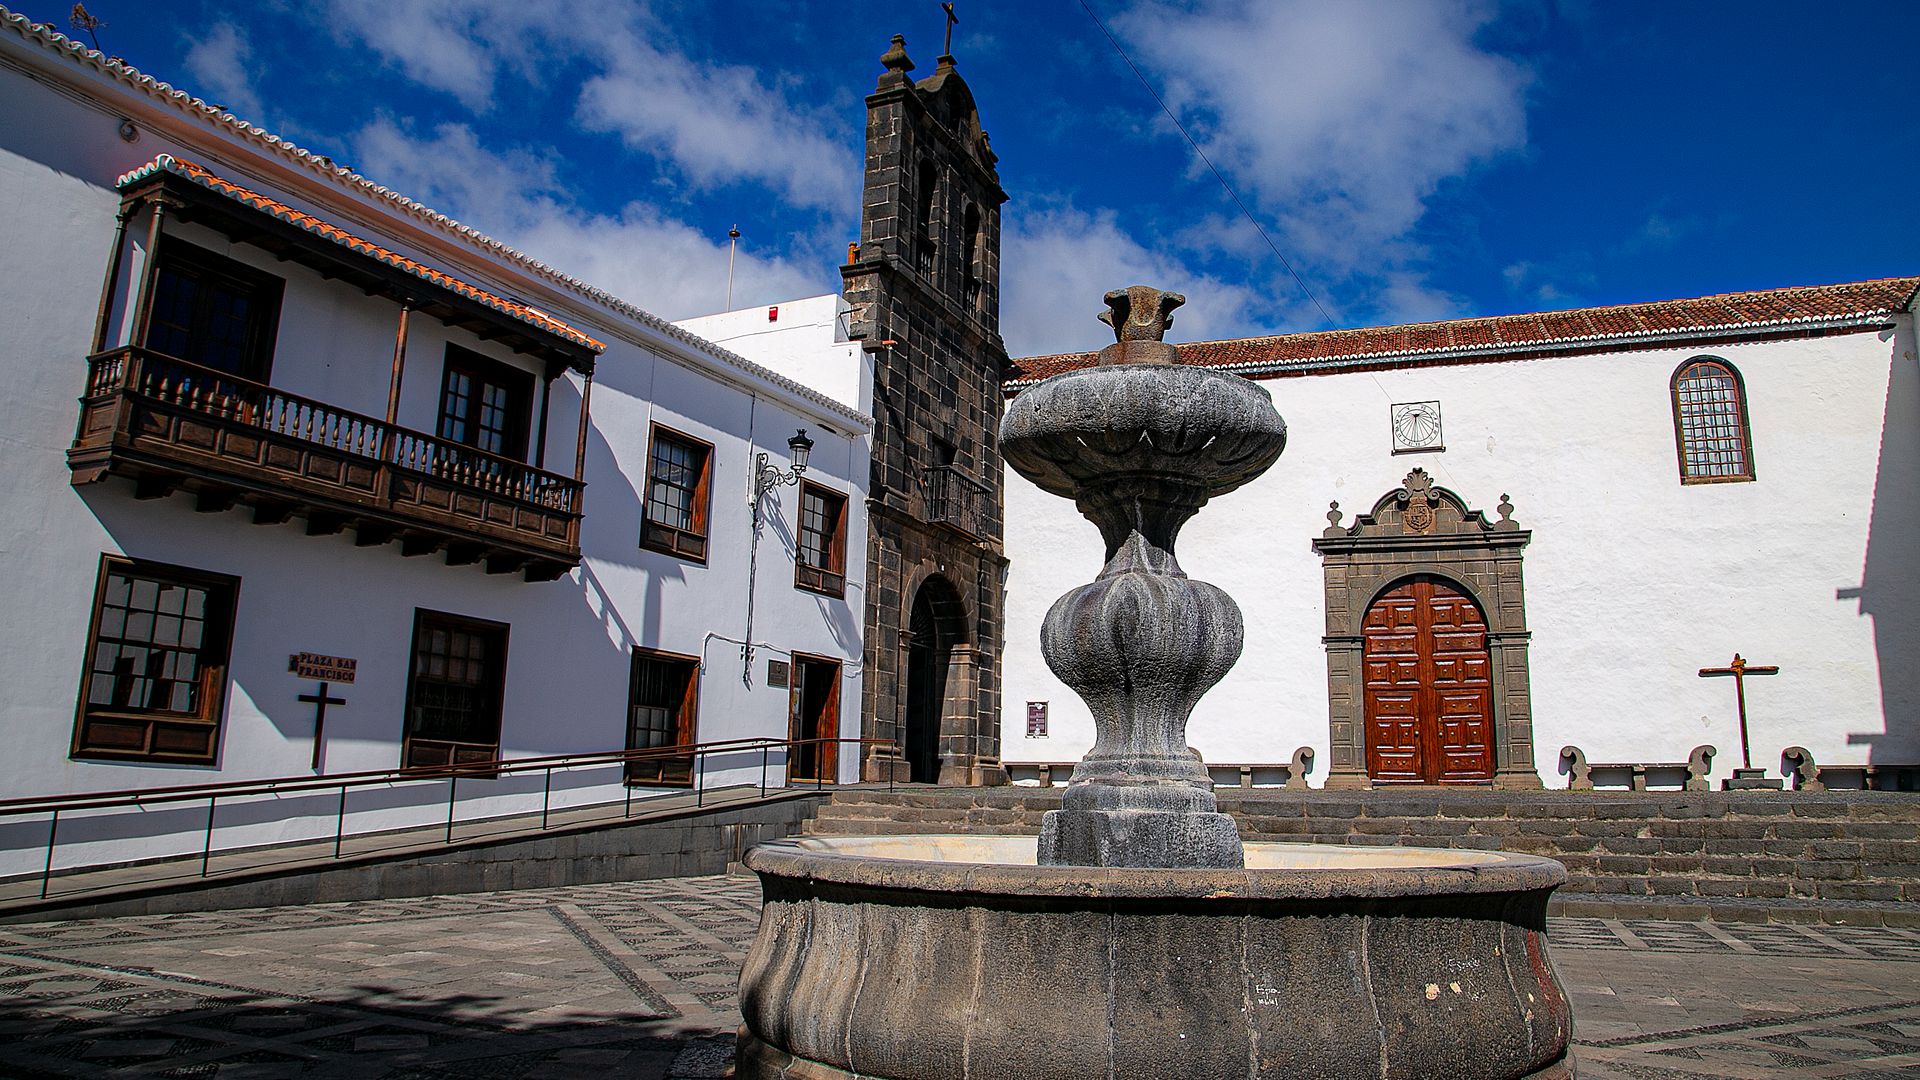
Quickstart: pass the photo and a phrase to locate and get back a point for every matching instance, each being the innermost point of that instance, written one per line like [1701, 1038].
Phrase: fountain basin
[937, 957]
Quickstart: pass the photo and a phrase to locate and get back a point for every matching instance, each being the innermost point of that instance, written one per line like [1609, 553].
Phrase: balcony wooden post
[111, 285]
[399, 367]
[149, 275]
[540, 436]
[580, 448]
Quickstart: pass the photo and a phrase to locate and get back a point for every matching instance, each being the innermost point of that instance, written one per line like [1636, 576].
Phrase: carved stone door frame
[1423, 529]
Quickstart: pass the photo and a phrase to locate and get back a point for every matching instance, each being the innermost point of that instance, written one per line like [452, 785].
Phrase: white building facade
[1547, 525]
[317, 418]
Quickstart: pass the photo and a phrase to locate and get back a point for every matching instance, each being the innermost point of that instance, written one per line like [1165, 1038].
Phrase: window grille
[1710, 422]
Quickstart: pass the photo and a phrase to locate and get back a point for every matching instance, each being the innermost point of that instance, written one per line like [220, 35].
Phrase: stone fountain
[1138, 937]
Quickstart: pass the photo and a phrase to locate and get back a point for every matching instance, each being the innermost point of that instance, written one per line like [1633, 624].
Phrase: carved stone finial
[895, 60]
[1333, 520]
[1140, 316]
[1140, 312]
[1506, 522]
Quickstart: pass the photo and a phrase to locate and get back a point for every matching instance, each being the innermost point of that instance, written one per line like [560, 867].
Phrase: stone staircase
[1833, 857]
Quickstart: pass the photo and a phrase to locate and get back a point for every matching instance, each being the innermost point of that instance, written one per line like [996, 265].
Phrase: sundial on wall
[1416, 426]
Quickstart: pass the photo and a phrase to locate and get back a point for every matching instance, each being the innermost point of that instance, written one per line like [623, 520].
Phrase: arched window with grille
[1710, 427]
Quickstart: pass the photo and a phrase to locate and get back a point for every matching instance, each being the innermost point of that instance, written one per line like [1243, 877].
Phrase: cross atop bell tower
[923, 285]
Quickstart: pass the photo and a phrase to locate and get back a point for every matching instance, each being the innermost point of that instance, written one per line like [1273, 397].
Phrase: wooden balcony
[174, 426]
[957, 501]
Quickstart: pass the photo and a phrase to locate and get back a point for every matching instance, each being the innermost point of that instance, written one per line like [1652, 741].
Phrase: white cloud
[221, 61]
[455, 46]
[714, 124]
[1338, 120]
[1058, 263]
[719, 124]
[663, 265]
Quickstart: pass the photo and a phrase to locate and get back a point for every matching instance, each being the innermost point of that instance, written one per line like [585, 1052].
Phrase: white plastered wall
[570, 640]
[1633, 580]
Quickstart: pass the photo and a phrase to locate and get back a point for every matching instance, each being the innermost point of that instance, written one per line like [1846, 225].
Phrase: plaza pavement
[637, 980]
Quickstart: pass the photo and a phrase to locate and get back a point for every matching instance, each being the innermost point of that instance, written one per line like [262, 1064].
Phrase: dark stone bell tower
[924, 284]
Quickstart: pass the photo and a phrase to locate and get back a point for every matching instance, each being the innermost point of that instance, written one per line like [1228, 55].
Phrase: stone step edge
[1736, 909]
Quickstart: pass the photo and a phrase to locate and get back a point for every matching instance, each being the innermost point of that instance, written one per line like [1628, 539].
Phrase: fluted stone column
[1140, 443]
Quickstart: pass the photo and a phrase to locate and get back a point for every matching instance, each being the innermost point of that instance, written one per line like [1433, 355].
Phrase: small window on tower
[1710, 422]
[924, 243]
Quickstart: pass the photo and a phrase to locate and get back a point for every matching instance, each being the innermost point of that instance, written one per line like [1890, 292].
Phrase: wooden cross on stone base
[1746, 777]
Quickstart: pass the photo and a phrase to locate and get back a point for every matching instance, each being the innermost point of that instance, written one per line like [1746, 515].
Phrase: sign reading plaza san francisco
[308, 665]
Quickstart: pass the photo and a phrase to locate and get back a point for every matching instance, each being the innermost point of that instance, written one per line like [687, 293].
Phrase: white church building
[303, 477]
[1492, 538]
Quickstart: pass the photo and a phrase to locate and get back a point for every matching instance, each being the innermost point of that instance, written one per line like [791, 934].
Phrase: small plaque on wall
[1036, 719]
[778, 674]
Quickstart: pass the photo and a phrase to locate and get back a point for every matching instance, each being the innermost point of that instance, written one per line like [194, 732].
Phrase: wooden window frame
[831, 579]
[1740, 407]
[480, 367]
[268, 292]
[216, 642]
[691, 543]
[421, 617]
[665, 771]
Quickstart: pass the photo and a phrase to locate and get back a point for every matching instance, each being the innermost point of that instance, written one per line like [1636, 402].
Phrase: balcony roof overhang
[246, 216]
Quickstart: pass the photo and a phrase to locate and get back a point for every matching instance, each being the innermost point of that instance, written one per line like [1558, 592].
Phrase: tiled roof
[1804, 309]
[46, 37]
[200, 175]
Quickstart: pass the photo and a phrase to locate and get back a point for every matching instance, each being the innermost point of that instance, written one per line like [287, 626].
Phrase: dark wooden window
[678, 470]
[662, 700]
[210, 310]
[820, 562]
[485, 404]
[1710, 422]
[454, 693]
[155, 682]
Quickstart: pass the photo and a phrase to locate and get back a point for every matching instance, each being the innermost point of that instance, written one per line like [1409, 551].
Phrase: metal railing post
[699, 779]
[891, 758]
[626, 782]
[340, 822]
[206, 851]
[763, 770]
[546, 799]
[53, 831]
[453, 785]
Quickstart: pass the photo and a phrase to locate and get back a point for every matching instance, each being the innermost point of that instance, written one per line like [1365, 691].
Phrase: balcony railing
[176, 424]
[956, 500]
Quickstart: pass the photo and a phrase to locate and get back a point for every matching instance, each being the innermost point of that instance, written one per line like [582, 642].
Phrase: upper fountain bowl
[1195, 425]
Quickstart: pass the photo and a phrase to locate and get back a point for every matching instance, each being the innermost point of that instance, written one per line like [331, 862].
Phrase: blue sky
[1414, 160]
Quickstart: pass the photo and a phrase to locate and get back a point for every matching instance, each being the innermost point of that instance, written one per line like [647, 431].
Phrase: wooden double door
[1429, 686]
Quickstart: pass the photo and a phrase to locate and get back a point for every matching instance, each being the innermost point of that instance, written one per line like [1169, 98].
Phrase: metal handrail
[55, 805]
[218, 393]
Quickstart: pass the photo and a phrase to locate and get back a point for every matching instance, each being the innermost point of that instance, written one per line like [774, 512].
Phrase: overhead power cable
[1217, 175]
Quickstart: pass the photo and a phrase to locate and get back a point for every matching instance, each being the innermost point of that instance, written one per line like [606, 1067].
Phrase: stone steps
[1784, 856]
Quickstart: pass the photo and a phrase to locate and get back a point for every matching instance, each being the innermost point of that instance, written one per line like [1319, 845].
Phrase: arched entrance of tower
[1429, 685]
[938, 690]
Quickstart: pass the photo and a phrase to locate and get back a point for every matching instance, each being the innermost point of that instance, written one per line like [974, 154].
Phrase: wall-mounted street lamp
[765, 479]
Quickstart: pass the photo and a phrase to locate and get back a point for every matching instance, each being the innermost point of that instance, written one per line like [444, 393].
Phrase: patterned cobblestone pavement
[637, 980]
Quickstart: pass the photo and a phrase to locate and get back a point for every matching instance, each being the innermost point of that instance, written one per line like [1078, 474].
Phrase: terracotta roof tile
[200, 175]
[1817, 308]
